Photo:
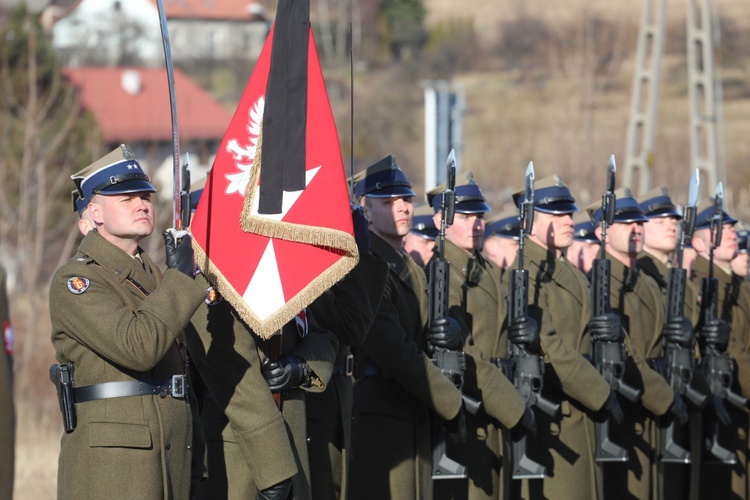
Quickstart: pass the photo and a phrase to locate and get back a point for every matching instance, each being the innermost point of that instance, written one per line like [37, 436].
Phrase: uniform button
[167, 446]
[117, 271]
[189, 447]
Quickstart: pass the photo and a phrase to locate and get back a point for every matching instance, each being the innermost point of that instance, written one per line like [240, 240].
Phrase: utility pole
[644, 100]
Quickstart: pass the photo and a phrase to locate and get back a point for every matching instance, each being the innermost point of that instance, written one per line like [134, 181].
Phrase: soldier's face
[390, 218]
[661, 234]
[419, 248]
[625, 239]
[582, 254]
[501, 251]
[466, 232]
[123, 216]
[725, 252]
[739, 264]
[552, 231]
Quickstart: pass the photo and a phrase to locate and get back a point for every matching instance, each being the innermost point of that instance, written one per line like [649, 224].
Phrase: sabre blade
[695, 184]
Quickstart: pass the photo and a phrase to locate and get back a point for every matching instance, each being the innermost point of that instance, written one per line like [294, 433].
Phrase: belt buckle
[349, 365]
[178, 386]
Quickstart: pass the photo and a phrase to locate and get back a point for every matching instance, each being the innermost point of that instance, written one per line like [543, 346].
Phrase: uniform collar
[109, 256]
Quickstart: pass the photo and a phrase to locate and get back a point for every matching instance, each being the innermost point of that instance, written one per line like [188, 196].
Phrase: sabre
[177, 171]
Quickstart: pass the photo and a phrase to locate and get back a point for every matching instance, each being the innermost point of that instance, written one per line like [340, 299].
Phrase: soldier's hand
[678, 410]
[456, 427]
[179, 250]
[718, 409]
[524, 332]
[279, 491]
[445, 333]
[715, 333]
[679, 331]
[613, 408]
[361, 229]
[605, 328]
[287, 372]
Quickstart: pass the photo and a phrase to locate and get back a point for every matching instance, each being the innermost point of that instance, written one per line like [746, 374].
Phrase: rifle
[451, 363]
[527, 367]
[717, 366]
[609, 357]
[680, 362]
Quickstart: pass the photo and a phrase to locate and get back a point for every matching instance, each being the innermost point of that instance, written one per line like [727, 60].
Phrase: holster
[61, 375]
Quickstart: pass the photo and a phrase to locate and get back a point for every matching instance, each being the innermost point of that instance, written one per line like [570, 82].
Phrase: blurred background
[559, 83]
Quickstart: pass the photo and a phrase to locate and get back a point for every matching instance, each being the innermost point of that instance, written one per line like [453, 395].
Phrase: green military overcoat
[346, 310]
[7, 408]
[478, 303]
[717, 479]
[560, 302]
[246, 438]
[112, 321]
[396, 387]
[636, 298]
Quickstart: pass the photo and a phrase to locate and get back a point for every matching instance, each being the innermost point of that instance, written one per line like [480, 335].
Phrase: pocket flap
[119, 434]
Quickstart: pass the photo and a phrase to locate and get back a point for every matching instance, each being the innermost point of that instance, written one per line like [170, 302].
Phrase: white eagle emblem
[244, 154]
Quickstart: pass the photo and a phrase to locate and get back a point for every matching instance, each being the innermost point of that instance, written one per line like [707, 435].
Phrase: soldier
[661, 236]
[396, 384]
[585, 246]
[741, 261]
[420, 241]
[116, 329]
[559, 301]
[636, 298]
[347, 310]
[477, 302]
[721, 480]
[501, 238]
[7, 408]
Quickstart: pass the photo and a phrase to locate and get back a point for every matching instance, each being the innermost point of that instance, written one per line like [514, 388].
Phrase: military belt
[175, 387]
[344, 366]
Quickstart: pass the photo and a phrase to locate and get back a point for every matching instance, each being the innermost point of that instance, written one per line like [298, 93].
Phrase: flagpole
[351, 103]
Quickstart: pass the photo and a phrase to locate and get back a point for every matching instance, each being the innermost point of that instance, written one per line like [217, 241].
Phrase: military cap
[627, 208]
[657, 203]
[422, 224]
[382, 180]
[584, 229]
[79, 204]
[551, 196]
[469, 198]
[742, 240]
[705, 213]
[116, 173]
[506, 224]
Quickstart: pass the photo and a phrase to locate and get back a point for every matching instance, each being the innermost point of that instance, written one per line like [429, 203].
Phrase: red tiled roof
[145, 115]
[207, 9]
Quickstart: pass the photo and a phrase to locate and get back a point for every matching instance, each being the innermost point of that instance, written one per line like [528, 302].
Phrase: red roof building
[132, 104]
[225, 10]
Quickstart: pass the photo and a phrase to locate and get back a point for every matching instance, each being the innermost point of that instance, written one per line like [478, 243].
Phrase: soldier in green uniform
[721, 480]
[559, 301]
[636, 298]
[501, 236]
[397, 385]
[585, 247]
[117, 326]
[7, 408]
[347, 310]
[661, 235]
[477, 302]
[420, 240]
[740, 262]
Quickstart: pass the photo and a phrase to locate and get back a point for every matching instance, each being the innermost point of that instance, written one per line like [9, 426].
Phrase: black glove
[361, 229]
[715, 333]
[524, 332]
[456, 427]
[679, 331]
[444, 333]
[718, 409]
[679, 410]
[287, 372]
[613, 408]
[279, 491]
[605, 328]
[179, 253]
